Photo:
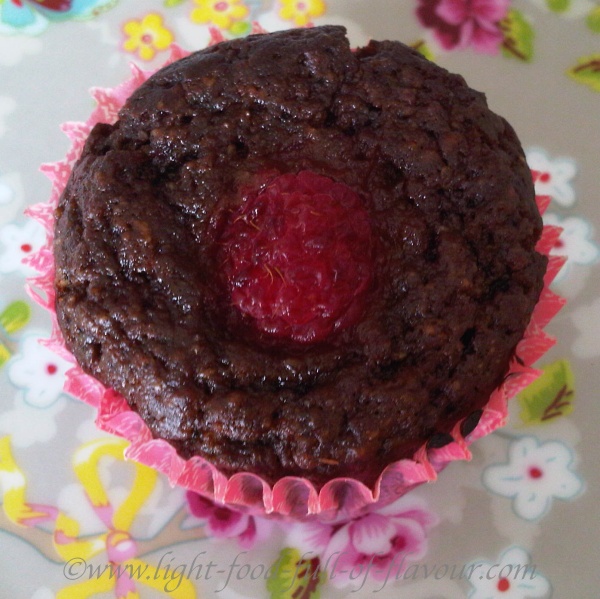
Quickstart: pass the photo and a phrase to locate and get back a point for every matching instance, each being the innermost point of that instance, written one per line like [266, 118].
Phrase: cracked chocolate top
[162, 228]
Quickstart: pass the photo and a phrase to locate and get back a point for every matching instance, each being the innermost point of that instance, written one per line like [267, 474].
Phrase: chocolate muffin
[296, 259]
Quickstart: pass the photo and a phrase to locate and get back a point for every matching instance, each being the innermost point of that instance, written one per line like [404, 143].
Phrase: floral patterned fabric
[77, 520]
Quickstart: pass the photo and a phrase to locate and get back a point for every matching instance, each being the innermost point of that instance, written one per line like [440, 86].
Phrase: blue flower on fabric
[536, 473]
[32, 16]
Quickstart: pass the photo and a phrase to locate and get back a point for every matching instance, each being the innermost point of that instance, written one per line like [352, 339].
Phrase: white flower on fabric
[575, 242]
[534, 475]
[39, 372]
[552, 176]
[16, 243]
[512, 576]
[28, 425]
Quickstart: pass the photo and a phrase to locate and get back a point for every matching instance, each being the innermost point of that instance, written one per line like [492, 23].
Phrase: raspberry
[297, 257]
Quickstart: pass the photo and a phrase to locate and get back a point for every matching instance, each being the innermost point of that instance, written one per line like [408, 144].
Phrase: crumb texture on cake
[145, 306]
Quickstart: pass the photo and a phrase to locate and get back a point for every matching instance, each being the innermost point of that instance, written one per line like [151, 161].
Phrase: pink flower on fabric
[223, 522]
[379, 545]
[375, 545]
[462, 23]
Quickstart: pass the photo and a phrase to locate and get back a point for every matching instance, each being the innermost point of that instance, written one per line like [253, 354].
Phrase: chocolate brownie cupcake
[295, 259]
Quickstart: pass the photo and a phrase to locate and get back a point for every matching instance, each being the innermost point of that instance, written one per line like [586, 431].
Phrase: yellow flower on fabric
[302, 12]
[147, 37]
[222, 13]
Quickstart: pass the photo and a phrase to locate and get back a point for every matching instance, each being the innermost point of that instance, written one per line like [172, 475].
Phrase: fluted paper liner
[289, 497]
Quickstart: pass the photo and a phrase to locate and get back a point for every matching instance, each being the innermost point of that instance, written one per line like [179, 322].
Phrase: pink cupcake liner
[289, 497]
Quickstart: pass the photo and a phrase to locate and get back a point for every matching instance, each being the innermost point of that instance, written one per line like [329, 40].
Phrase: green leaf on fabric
[587, 71]
[593, 20]
[549, 397]
[294, 577]
[518, 36]
[15, 316]
[558, 5]
[424, 50]
[240, 28]
[173, 3]
[4, 354]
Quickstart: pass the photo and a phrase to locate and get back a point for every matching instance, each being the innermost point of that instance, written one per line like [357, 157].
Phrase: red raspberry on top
[297, 257]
